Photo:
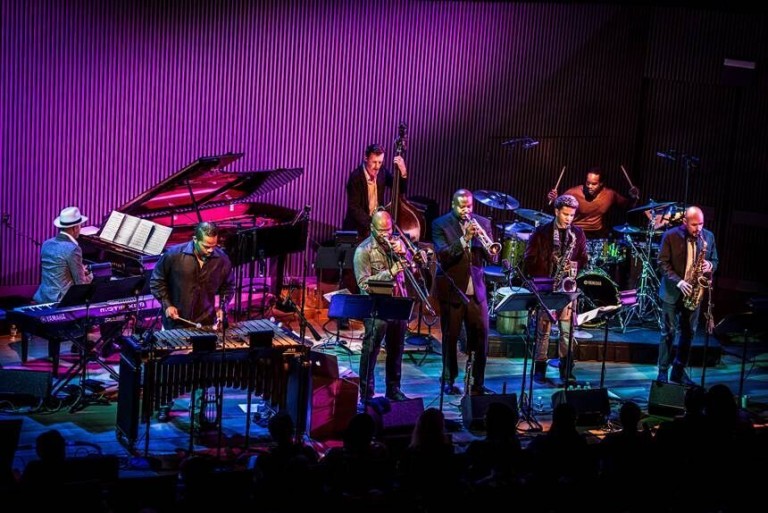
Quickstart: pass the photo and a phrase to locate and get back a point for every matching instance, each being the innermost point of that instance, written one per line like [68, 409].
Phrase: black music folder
[364, 306]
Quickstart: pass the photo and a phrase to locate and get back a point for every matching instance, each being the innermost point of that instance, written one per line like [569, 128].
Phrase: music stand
[257, 245]
[529, 302]
[98, 291]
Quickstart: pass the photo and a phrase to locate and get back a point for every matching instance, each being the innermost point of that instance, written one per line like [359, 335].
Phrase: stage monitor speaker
[666, 399]
[473, 408]
[24, 386]
[591, 405]
[395, 417]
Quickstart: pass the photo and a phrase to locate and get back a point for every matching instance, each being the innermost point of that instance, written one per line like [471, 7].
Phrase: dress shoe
[662, 376]
[681, 378]
[480, 390]
[451, 389]
[396, 395]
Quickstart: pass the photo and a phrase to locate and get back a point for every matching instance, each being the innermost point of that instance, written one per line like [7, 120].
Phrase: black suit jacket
[455, 262]
[673, 257]
[357, 217]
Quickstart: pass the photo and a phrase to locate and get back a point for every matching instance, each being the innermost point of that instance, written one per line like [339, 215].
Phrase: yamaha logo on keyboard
[54, 318]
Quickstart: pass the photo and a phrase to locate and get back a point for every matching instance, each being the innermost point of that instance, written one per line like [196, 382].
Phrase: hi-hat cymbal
[626, 228]
[496, 199]
[534, 215]
[652, 206]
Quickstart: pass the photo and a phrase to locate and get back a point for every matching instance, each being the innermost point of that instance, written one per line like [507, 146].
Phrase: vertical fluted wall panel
[103, 100]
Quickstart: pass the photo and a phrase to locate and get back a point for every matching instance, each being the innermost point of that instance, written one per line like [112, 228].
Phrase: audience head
[281, 427]
[429, 428]
[51, 446]
[360, 431]
[500, 419]
[630, 415]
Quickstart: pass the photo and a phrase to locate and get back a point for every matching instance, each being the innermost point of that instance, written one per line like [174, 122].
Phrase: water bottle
[538, 404]
[587, 386]
[14, 333]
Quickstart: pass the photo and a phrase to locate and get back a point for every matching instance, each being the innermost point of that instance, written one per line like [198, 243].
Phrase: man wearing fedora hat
[62, 259]
[61, 264]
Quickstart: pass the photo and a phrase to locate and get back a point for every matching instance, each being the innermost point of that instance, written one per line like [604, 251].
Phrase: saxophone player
[687, 259]
[551, 244]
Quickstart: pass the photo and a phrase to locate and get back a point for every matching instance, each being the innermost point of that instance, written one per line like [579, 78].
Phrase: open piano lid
[205, 184]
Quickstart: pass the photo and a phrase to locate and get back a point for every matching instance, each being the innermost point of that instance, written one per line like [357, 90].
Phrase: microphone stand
[525, 401]
[219, 385]
[305, 367]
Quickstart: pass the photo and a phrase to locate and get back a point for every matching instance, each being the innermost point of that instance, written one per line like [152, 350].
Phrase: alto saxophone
[697, 279]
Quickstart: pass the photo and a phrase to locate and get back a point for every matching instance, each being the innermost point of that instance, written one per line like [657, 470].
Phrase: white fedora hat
[69, 217]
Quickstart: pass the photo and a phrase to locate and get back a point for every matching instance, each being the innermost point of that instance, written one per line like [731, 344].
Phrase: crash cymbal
[496, 199]
[626, 228]
[514, 228]
[534, 215]
[653, 206]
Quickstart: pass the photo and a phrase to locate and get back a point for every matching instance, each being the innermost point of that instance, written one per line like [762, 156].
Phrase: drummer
[595, 202]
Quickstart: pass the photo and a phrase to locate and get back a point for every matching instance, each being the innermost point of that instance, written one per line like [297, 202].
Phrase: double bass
[405, 215]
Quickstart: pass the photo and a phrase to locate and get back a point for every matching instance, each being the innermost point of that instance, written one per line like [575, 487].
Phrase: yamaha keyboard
[49, 320]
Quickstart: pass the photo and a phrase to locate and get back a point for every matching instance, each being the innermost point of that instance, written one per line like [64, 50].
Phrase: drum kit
[638, 245]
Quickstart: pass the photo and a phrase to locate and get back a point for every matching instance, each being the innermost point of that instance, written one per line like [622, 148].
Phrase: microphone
[669, 155]
[530, 143]
[512, 141]
[301, 214]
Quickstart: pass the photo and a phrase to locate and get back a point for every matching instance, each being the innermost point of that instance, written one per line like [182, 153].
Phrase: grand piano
[204, 190]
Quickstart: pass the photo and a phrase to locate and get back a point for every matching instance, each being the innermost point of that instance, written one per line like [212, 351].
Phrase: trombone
[405, 264]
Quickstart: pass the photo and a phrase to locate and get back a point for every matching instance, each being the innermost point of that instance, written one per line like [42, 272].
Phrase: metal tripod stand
[647, 308]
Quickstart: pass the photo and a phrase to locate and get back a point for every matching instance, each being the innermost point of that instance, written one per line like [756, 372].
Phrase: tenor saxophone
[698, 280]
[563, 278]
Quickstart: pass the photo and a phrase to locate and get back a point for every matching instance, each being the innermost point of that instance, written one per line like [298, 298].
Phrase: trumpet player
[557, 249]
[462, 243]
[381, 257]
[687, 259]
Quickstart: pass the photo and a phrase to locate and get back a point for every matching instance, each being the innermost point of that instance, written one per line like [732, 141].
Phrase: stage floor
[627, 373]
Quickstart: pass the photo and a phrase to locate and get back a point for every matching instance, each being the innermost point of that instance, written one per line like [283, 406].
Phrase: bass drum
[510, 322]
[597, 289]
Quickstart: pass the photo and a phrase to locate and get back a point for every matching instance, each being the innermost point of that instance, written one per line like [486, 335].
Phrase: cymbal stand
[647, 307]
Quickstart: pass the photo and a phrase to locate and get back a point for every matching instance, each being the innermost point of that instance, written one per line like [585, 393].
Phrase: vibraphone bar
[264, 371]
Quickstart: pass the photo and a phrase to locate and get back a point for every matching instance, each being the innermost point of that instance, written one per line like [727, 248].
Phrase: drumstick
[627, 176]
[195, 324]
[562, 172]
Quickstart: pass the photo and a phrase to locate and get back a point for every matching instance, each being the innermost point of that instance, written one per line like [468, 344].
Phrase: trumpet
[491, 247]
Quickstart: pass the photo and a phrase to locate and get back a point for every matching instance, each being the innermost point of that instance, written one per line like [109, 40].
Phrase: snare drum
[598, 288]
[510, 322]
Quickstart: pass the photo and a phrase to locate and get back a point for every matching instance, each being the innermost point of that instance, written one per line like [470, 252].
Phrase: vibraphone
[154, 373]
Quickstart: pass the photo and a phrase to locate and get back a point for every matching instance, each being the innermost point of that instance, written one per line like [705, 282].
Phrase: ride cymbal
[534, 215]
[496, 199]
[513, 228]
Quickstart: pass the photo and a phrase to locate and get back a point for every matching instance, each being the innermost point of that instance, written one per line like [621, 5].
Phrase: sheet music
[112, 226]
[588, 316]
[157, 239]
[141, 234]
[126, 230]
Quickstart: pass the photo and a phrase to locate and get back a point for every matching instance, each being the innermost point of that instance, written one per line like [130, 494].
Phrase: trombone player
[462, 243]
[381, 257]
